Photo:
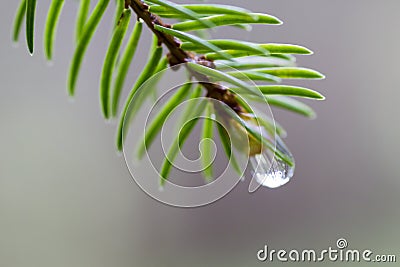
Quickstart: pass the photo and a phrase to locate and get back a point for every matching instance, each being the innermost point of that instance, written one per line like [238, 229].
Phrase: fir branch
[210, 62]
[179, 56]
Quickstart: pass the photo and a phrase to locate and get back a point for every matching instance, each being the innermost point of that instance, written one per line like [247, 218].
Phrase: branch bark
[178, 56]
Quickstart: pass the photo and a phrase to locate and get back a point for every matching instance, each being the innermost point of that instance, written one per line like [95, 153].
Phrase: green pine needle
[236, 51]
[290, 91]
[19, 18]
[124, 64]
[202, 9]
[129, 111]
[30, 24]
[193, 39]
[109, 63]
[293, 73]
[158, 122]
[119, 9]
[83, 43]
[254, 75]
[227, 145]
[184, 11]
[206, 147]
[225, 20]
[83, 12]
[193, 116]
[51, 26]
[221, 76]
[291, 105]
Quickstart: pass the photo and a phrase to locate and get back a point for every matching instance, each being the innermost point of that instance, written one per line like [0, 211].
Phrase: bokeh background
[67, 198]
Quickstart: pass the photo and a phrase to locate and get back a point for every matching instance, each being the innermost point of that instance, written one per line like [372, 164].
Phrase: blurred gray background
[67, 198]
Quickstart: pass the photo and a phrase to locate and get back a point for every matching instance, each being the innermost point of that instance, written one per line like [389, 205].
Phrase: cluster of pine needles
[267, 64]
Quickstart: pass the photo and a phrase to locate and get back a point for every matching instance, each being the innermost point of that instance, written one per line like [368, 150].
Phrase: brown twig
[178, 56]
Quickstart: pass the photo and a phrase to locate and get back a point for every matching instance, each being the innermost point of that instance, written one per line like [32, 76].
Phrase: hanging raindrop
[272, 164]
[271, 171]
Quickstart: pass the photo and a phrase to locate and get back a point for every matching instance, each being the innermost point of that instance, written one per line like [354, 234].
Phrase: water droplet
[50, 63]
[269, 170]
[109, 121]
[15, 44]
[71, 99]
